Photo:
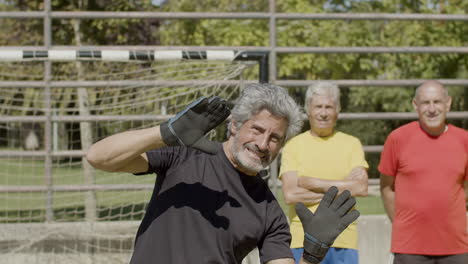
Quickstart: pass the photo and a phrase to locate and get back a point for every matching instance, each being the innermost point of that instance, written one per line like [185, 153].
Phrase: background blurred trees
[297, 33]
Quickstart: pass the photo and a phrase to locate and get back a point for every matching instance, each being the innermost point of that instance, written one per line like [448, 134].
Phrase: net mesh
[83, 226]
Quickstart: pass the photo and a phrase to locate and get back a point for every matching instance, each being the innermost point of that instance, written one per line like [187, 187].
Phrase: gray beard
[243, 161]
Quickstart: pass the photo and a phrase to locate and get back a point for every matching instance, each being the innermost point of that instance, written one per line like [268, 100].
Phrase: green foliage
[293, 33]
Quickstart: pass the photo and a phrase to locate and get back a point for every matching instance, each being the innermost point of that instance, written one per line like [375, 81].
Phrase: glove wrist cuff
[310, 258]
[167, 135]
[314, 247]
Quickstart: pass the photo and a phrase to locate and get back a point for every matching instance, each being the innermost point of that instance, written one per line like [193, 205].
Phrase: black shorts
[427, 259]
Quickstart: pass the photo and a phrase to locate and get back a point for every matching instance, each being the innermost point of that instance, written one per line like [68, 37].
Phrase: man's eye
[256, 130]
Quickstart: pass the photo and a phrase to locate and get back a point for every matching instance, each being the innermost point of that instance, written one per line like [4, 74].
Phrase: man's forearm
[388, 198]
[302, 195]
[356, 187]
[466, 222]
[387, 191]
[465, 186]
[294, 194]
[118, 150]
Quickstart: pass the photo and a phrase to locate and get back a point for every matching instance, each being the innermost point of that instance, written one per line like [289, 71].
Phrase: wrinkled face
[256, 143]
[322, 115]
[432, 105]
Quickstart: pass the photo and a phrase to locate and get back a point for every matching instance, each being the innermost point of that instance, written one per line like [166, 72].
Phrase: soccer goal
[54, 208]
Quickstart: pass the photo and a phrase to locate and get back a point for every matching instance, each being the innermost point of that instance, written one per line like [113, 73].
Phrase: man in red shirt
[424, 176]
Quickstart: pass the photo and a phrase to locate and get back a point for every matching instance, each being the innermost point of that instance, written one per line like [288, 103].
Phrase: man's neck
[322, 134]
[435, 132]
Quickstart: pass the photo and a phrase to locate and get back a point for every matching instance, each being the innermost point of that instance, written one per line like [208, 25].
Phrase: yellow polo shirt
[330, 158]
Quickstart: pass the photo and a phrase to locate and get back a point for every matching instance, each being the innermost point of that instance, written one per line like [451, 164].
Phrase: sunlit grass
[70, 206]
[32, 173]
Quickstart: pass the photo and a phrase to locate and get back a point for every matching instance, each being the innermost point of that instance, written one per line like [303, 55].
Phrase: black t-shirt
[203, 210]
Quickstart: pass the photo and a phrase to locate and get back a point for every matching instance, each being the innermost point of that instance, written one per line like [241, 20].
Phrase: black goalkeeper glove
[189, 126]
[330, 219]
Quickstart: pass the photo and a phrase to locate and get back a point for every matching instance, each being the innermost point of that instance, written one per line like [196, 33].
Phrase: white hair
[322, 89]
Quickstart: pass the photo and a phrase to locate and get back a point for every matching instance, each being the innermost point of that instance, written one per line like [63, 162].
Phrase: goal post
[140, 55]
[48, 118]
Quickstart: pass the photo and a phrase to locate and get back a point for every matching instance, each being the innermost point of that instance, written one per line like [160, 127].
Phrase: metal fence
[48, 15]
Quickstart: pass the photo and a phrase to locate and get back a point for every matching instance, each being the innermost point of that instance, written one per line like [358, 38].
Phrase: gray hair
[323, 89]
[263, 96]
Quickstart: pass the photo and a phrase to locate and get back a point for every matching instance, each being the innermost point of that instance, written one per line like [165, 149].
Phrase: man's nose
[262, 142]
[323, 112]
[432, 107]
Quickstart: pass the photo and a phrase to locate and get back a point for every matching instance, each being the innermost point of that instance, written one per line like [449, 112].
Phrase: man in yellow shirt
[317, 159]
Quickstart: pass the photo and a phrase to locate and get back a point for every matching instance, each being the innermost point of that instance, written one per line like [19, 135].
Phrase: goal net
[54, 208]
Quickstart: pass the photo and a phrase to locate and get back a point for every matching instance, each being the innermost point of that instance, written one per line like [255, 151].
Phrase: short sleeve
[388, 161]
[160, 160]
[276, 242]
[358, 158]
[289, 159]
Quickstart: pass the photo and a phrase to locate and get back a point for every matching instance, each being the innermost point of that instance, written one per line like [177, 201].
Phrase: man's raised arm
[126, 151]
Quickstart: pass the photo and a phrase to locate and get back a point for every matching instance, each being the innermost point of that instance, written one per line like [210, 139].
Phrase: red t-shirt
[430, 209]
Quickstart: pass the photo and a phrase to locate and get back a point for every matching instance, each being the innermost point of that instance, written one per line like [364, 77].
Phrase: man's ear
[233, 128]
[415, 105]
[449, 103]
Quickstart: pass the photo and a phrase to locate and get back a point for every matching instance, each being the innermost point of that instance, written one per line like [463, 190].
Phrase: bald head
[432, 103]
[432, 84]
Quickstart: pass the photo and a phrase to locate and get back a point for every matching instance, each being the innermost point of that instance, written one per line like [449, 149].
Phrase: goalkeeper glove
[189, 126]
[330, 219]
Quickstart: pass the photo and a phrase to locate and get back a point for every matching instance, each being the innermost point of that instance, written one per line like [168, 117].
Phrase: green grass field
[70, 205]
[30, 206]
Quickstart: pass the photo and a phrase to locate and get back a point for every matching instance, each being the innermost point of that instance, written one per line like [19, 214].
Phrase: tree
[325, 33]
[316, 33]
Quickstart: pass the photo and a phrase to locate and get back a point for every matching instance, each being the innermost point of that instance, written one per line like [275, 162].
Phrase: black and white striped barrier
[139, 55]
[115, 55]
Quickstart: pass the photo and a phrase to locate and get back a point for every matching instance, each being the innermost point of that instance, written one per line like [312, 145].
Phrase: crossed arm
[310, 190]
[356, 182]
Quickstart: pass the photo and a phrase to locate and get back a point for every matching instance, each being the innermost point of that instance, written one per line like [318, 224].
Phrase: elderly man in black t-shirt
[208, 204]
